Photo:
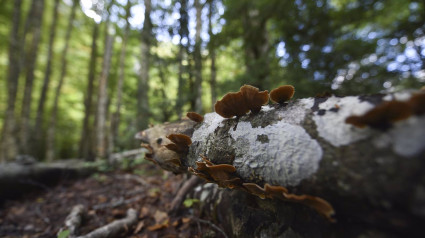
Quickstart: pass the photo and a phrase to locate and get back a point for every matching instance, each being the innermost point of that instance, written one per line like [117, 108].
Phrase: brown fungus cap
[254, 99]
[180, 143]
[382, 115]
[282, 93]
[417, 103]
[221, 174]
[232, 104]
[195, 117]
[279, 192]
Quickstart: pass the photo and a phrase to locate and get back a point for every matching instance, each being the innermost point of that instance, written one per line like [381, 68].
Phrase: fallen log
[372, 177]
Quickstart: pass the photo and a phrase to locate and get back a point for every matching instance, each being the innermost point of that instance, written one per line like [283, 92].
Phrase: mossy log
[373, 178]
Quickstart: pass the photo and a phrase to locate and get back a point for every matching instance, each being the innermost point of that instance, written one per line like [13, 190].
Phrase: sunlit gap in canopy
[93, 9]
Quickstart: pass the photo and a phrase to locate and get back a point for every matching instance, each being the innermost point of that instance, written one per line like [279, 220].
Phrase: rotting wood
[370, 176]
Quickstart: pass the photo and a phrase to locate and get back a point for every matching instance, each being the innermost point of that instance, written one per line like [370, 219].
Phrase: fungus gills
[382, 116]
[237, 104]
[195, 117]
[282, 93]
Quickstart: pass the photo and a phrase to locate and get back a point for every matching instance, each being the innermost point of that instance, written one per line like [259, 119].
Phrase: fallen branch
[114, 228]
[120, 202]
[186, 188]
[73, 220]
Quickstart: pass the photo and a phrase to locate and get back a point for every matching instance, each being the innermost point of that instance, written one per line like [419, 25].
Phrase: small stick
[210, 224]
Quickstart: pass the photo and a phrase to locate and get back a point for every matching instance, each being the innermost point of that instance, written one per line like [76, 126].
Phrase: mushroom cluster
[249, 98]
[180, 144]
[221, 174]
[278, 192]
[385, 114]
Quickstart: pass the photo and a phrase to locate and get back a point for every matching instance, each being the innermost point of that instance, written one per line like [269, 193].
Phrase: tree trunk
[8, 147]
[103, 100]
[213, 79]
[86, 140]
[117, 114]
[36, 19]
[184, 33]
[51, 132]
[197, 94]
[256, 47]
[143, 112]
[38, 133]
[373, 179]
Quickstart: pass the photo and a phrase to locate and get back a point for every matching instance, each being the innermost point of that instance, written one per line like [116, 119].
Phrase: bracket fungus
[382, 116]
[195, 117]
[237, 104]
[282, 93]
[277, 192]
[222, 174]
[180, 143]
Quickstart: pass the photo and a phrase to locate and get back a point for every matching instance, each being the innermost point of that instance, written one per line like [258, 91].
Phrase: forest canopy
[80, 78]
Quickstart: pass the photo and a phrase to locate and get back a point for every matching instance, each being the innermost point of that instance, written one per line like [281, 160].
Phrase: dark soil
[106, 197]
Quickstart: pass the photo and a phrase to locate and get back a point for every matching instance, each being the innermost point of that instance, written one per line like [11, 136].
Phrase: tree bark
[86, 150]
[102, 98]
[143, 111]
[38, 129]
[51, 132]
[184, 34]
[371, 177]
[211, 48]
[116, 117]
[36, 19]
[197, 93]
[8, 146]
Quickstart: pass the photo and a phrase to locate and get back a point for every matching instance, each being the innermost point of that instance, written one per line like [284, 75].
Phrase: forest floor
[106, 197]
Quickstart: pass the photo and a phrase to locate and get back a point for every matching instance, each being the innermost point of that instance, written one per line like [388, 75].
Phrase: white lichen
[295, 113]
[289, 156]
[208, 126]
[406, 138]
[332, 127]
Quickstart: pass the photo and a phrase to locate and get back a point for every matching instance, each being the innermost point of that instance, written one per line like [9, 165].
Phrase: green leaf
[189, 202]
[63, 234]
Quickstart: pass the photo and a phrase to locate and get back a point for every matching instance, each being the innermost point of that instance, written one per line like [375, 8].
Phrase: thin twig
[210, 224]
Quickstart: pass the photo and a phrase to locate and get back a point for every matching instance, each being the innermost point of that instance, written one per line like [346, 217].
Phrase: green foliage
[341, 46]
[190, 202]
[63, 234]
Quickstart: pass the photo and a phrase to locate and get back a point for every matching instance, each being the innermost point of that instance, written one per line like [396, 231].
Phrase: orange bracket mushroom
[180, 143]
[320, 205]
[382, 116]
[222, 174]
[282, 93]
[195, 117]
[237, 104]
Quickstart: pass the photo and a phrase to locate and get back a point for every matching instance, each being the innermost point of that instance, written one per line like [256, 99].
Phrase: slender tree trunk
[183, 32]
[38, 134]
[164, 104]
[87, 132]
[8, 148]
[256, 47]
[116, 117]
[143, 85]
[103, 100]
[50, 151]
[213, 79]
[36, 19]
[198, 58]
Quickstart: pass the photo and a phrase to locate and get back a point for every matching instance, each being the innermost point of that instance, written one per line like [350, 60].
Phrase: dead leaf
[160, 216]
[139, 227]
[157, 227]
[186, 219]
[144, 212]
